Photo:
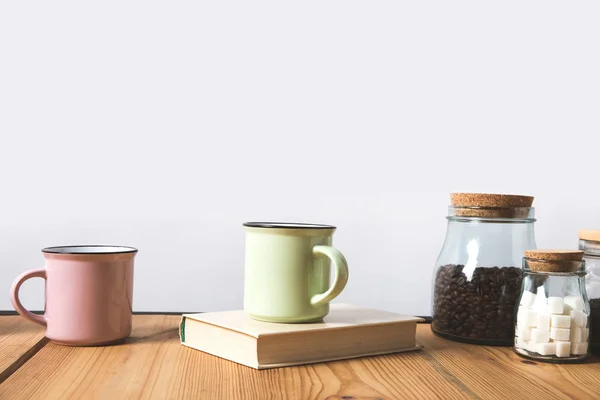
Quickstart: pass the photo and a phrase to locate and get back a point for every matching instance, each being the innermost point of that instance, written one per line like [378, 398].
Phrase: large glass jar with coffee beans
[477, 276]
[589, 242]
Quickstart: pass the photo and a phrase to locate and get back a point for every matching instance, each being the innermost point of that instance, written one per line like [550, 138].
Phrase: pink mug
[89, 291]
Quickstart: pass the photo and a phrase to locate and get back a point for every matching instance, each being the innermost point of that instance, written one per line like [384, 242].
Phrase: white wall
[165, 125]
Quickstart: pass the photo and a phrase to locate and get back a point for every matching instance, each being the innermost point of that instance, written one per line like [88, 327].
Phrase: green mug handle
[340, 270]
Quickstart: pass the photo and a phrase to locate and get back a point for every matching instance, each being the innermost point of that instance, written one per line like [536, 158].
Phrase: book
[346, 332]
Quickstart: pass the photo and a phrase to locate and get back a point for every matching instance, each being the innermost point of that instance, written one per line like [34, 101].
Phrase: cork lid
[589, 235]
[554, 260]
[488, 205]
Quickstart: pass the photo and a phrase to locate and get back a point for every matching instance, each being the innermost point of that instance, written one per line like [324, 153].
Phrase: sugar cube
[560, 321]
[573, 303]
[563, 349]
[579, 348]
[576, 335]
[546, 349]
[560, 334]
[522, 316]
[555, 305]
[579, 318]
[520, 343]
[526, 317]
[540, 335]
[530, 346]
[532, 319]
[541, 306]
[527, 299]
[585, 333]
[543, 320]
[524, 332]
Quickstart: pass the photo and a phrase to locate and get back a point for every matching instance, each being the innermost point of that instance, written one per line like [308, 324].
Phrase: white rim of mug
[287, 225]
[72, 249]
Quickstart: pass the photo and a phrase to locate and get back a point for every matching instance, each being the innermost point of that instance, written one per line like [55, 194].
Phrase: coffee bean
[479, 307]
[595, 326]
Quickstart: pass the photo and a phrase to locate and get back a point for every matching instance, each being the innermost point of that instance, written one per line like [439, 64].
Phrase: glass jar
[589, 243]
[553, 312]
[477, 277]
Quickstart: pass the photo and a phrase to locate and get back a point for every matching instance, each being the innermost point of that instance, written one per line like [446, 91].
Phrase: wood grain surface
[153, 365]
[19, 340]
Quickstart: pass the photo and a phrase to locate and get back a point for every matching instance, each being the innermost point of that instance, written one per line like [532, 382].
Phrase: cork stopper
[554, 260]
[585, 234]
[486, 205]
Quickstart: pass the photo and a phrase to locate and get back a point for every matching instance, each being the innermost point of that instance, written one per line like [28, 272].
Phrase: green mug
[287, 271]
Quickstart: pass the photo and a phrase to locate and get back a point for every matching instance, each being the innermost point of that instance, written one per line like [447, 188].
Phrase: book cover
[346, 332]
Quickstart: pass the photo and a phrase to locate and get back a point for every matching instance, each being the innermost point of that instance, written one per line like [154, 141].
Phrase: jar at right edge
[589, 243]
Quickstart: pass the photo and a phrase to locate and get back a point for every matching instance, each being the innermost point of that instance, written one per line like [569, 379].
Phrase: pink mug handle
[14, 295]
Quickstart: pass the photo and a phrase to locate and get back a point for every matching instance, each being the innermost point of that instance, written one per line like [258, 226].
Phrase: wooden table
[153, 365]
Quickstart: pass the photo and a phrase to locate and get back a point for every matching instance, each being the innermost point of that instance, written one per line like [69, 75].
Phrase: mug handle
[14, 295]
[340, 270]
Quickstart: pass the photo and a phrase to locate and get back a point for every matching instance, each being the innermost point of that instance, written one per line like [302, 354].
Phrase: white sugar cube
[530, 346]
[573, 302]
[543, 321]
[540, 335]
[563, 349]
[560, 334]
[560, 321]
[541, 307]
[555, 305]
[526, 317]
[575, 335]
[532, 319]
[527, 299]
[585, 333]
[520, 343]
[523, 332]
[579, 348]
[579, 318]
[540, 298]
[566, 309]
[546, 349]
[522, 316]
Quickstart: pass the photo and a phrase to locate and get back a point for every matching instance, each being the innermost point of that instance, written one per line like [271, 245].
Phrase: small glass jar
[552, 318]
[477, 277]
[589, 243]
